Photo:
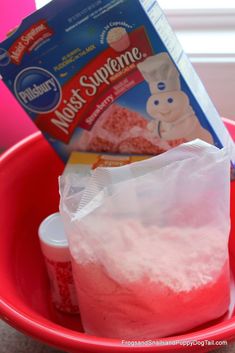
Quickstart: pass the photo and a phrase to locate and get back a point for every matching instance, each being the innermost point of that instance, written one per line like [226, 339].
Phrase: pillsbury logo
[161, 86]
[37, 90]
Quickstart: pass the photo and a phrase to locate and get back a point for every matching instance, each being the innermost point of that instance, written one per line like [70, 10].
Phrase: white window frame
[217, 69]
[201, 19]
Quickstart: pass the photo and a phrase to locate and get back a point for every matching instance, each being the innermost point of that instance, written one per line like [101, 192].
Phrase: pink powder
[149, 282]
[148, 310]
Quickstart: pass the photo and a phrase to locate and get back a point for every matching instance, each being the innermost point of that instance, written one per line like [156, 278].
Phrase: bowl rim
[69, 339]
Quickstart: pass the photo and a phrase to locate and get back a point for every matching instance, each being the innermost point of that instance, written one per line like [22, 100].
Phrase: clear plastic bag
[149, 243]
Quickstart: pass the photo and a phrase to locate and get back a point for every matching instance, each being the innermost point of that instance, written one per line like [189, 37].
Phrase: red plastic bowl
[29, 192]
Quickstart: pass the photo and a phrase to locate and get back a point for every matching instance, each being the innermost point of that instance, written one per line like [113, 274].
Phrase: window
[200, 14]
[181, 4]
[206, 30]
[197, 4]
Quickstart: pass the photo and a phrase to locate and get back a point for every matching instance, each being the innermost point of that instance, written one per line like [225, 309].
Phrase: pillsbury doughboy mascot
[170, 108]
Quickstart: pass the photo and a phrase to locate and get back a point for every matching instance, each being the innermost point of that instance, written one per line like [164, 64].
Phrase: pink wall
[14, 122]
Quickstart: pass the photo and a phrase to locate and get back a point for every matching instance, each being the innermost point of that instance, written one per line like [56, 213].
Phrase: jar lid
[51, 231]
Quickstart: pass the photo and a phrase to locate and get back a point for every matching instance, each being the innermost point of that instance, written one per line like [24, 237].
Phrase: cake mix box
[83, 163]
[108, 76]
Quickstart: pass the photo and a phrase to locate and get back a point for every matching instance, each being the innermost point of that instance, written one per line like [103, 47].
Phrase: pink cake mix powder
[120, 130]
[142, 282]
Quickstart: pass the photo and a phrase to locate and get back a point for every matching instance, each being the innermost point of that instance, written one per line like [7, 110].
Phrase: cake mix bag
[149, 242]
[108, 76]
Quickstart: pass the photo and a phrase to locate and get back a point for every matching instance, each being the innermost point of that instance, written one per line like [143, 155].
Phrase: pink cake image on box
[120, 130]
[118, 39]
